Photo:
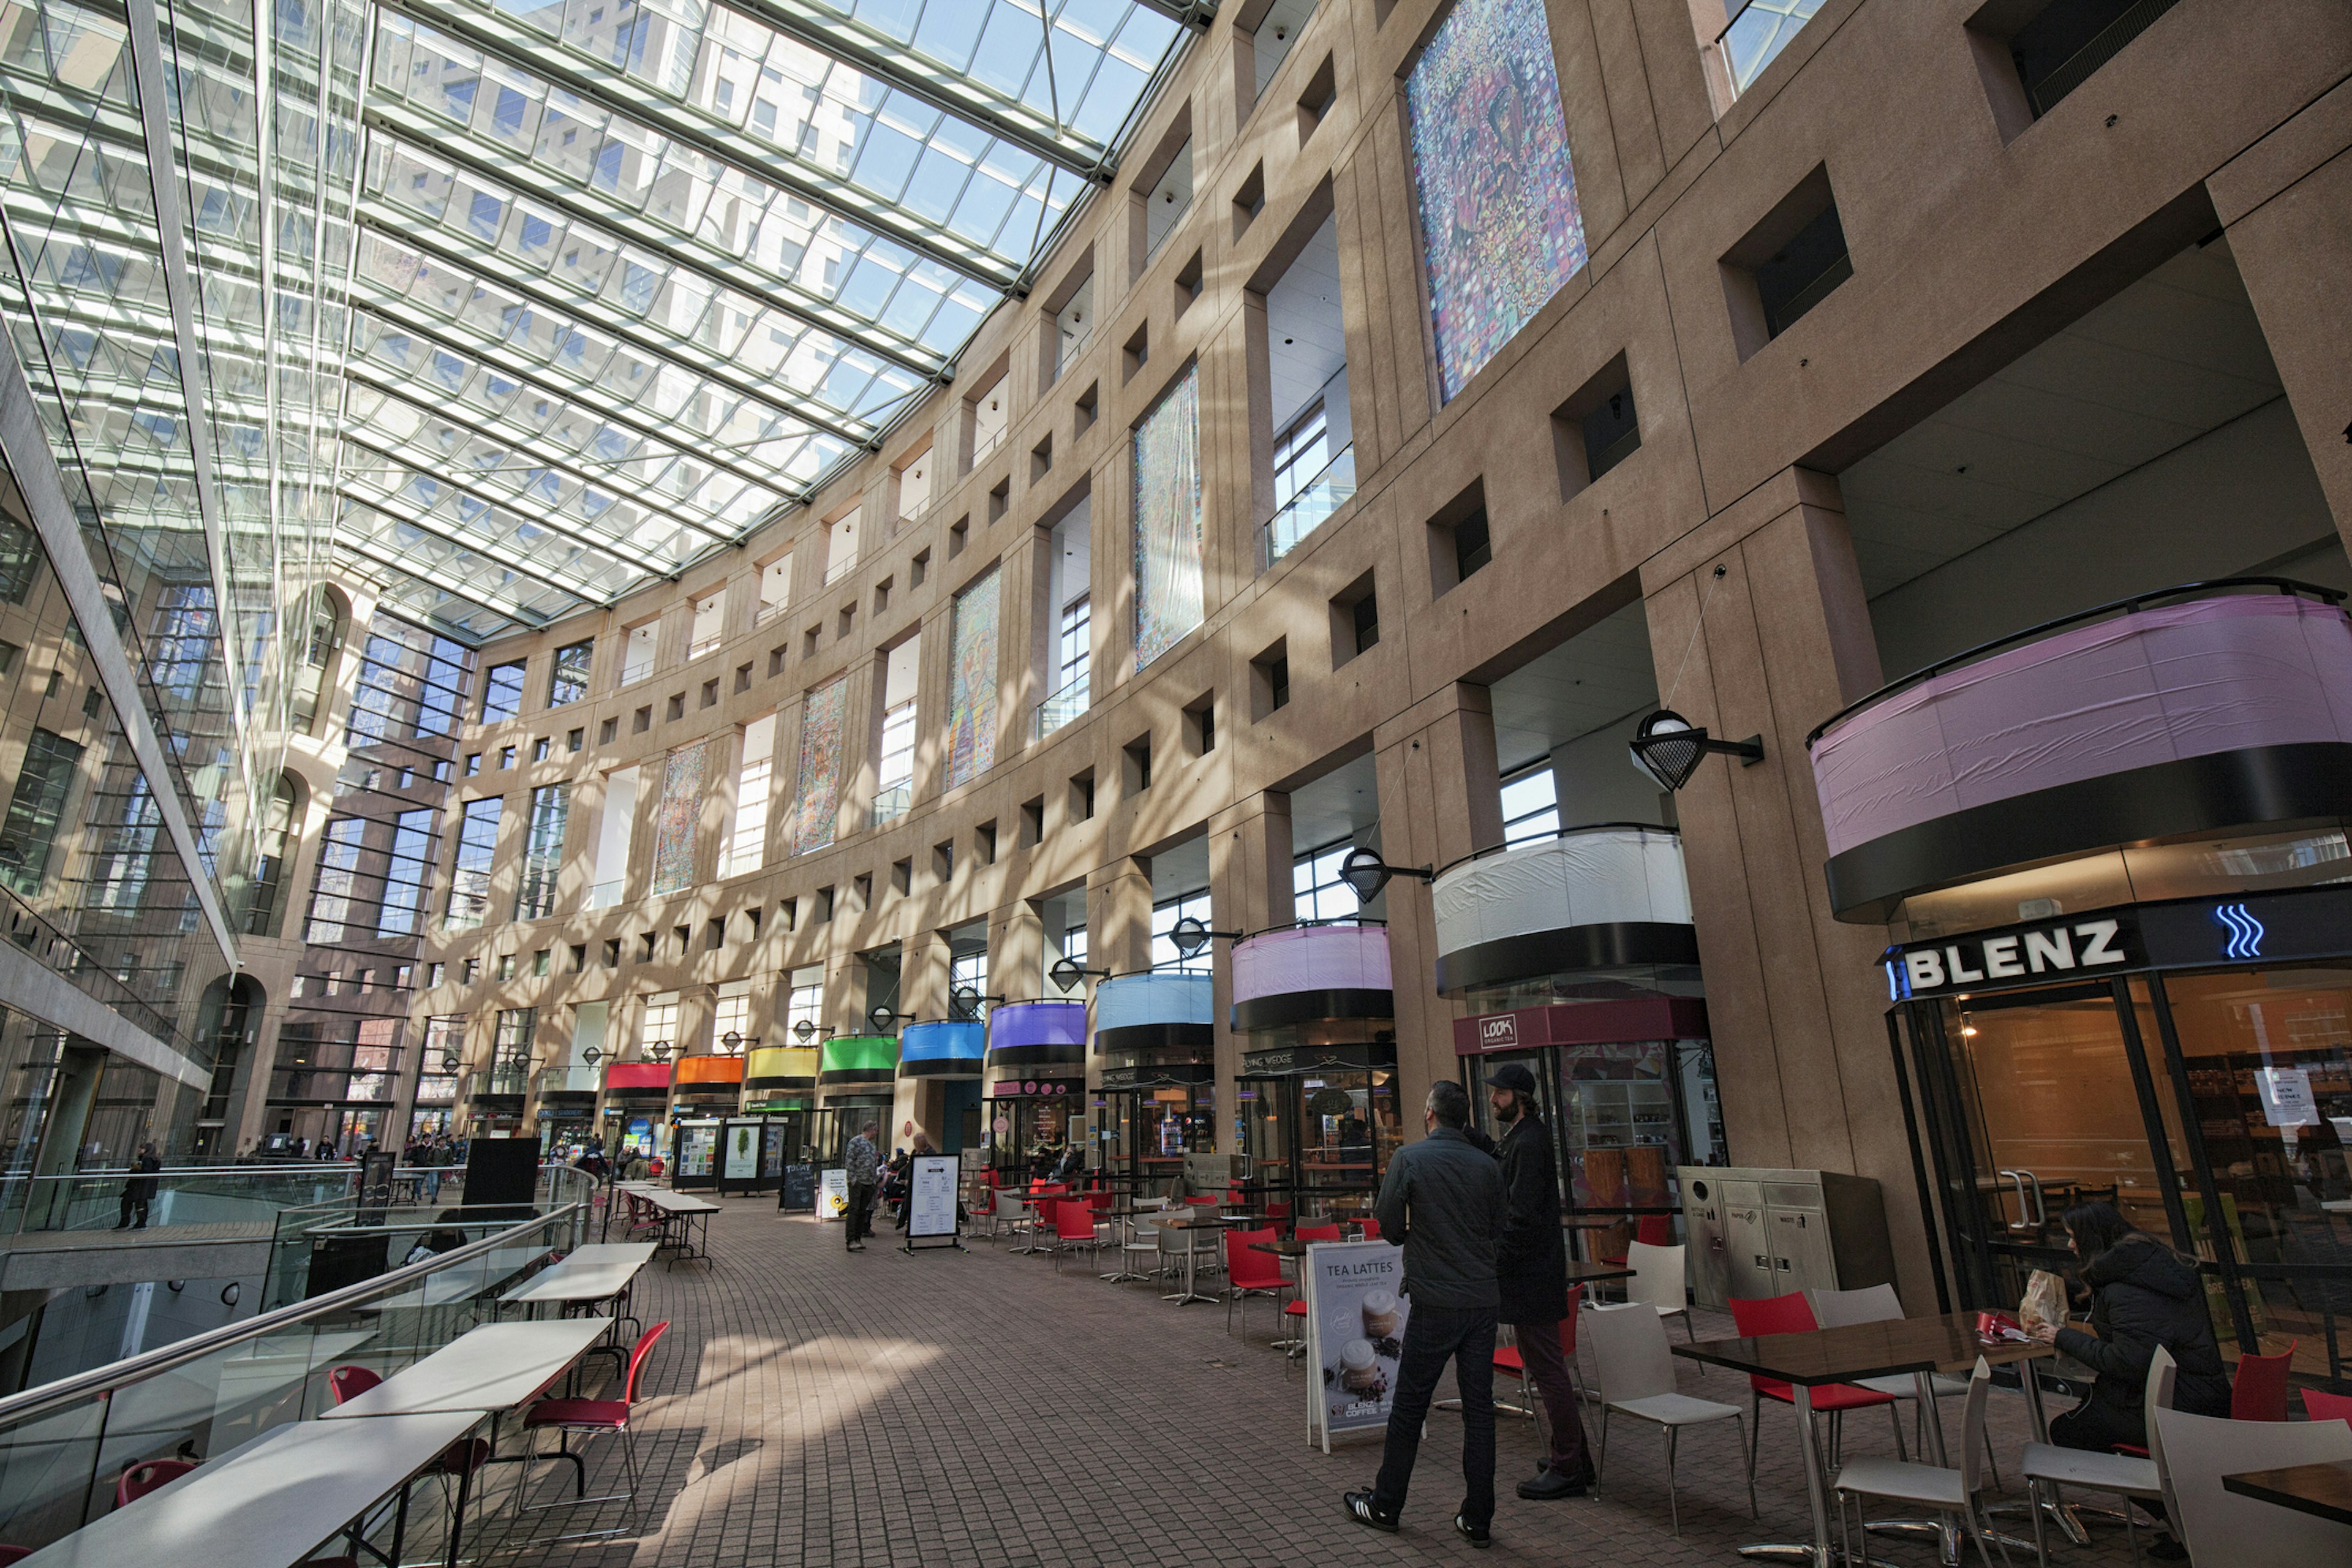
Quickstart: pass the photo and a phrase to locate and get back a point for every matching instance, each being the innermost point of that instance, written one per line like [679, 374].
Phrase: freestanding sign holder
[833, 1192]
[931, 1213]
[1355, 1336]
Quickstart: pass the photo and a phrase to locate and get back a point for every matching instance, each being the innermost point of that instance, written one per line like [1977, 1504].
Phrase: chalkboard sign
[799, 1190]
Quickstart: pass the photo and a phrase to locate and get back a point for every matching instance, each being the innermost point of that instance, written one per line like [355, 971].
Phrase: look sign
[2017, 953]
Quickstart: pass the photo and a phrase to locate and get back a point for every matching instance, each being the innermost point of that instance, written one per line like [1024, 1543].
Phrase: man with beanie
[1531, 1270]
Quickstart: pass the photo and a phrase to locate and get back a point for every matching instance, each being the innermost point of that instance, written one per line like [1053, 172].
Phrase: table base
[1818, 1556]
[1948, 1534]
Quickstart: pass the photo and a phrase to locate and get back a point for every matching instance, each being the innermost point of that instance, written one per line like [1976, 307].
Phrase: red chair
[459, 1461]
[2258, 1391]
[2327, 1406]
[589, 1416]
[1655, 1230]
[13, 1555]
[1372, 1227]
[1074, 1227]
[152, 1475]
[1791, 1314]
[1251, 1273]
[1507, 1359]
[1202, 1203]
[1098, 1200]
[1333, 1232]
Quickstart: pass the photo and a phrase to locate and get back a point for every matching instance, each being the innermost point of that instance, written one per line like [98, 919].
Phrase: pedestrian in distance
[863, 1160]
[138, 1192]
[1532, 1273]
[1444, 1201]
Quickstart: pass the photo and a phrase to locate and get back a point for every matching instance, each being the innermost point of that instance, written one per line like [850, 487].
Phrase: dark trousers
[130, 1203]
[1433, 1336]
[1547, 1370]
[2097, 1429]
[857, 1224]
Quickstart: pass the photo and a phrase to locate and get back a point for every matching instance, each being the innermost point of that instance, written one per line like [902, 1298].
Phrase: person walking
[1444, 1202]
[138, 1192]
[865, 1163]
[1531, 1274]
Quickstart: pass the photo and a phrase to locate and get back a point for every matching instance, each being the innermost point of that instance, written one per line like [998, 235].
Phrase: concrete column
[845, 993]
[1441, 799]
[1016, 950]
[1249, 891]
[73, 1089]
[1119, 916]
[1795, 1000]
[923, 970]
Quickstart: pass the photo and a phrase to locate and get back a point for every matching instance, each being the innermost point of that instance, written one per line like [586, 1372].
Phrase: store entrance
[2211, 1108]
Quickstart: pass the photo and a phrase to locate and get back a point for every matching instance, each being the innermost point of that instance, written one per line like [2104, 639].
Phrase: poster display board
[833, 1192]
[1355, 1335]
[695, 1161]
[932, 1200]
[738, 1158]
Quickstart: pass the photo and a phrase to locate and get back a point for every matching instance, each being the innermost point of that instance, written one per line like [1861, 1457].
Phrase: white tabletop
[461, 1281]
[269, 1503]
[678, 1203]
[493, 1367]
[591, 1274]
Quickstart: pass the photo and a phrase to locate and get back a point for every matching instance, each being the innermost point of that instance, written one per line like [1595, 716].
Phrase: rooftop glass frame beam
[486, 160]
[396, 227]
[390, 507]
[704, 134]
[876, 55]
[369, 550]
[457, 338]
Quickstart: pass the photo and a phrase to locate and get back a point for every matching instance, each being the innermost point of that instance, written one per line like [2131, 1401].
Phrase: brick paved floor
[816, 1409]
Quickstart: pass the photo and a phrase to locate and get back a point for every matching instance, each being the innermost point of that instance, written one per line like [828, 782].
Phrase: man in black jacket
[1442, 1202]
[1531, 1268]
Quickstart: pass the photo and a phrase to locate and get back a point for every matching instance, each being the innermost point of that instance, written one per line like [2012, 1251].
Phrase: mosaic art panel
[972, 695]
[677, 817]
[816, 800]
[1169, 537]
[1500, 227]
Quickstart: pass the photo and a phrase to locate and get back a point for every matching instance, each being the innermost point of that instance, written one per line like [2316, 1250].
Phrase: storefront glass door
[2212, 1109]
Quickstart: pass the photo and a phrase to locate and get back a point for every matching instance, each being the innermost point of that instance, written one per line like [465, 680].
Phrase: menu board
[1355, 1335]
[833, 1192]
[931, 1198]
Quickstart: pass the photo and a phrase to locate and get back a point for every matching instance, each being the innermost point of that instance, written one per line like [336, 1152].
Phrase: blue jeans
[1433, 1336]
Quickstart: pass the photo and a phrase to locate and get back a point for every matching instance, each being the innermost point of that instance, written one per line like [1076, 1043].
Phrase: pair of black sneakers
[1359, 1509]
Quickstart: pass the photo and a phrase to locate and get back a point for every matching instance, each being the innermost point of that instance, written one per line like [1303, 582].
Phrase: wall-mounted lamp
[965, 1001]
[1067, 971]
[1191, 933]
[805, 1031]
[1366, 874]
[1669, 749]
[881, 1017]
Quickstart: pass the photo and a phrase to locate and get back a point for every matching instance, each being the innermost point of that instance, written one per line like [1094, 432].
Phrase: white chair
[1014, 1216]
[1932, 1487]
[1658, 1280]
[1144, 1243]
[2218, 1527]
[1879, 1304]
[1636, 1374]
[2125, 1474]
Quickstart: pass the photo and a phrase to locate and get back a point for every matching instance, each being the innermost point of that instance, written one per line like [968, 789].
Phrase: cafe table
[1918, 1346]
[1184, 1223]
[1125, 1217]
[2323, 1490]
[681, 1214]
[1582, 1273]
[597, 1272]
[269, 1503]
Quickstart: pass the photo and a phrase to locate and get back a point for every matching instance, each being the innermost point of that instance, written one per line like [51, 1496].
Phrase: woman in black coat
[2143, 1295]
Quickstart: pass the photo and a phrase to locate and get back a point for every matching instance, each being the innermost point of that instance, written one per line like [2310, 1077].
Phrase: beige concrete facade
[1975, 233]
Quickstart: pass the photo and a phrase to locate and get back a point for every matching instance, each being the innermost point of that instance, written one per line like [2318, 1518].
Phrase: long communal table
[685, 1219]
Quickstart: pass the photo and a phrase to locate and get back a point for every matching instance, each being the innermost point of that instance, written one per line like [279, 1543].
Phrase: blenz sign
[2062, 949]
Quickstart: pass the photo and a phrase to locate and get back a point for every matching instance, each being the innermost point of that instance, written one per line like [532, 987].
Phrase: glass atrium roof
[631, 275]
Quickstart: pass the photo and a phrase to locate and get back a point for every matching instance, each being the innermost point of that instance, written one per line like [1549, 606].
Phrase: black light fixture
[1366, 874]
[881, 1016]
[732, 1041]
[592, 1054]
[806, 1030]
[1191, 933]
[1669, 748]
[1067, 971]
[450, 1063]
[966, 1001]
[658, 1050]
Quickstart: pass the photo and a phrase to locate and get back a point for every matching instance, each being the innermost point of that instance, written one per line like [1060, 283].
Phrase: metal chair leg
[2041, 1528]
[1600, 1457]
[1673, 1502]
[1748, 1443]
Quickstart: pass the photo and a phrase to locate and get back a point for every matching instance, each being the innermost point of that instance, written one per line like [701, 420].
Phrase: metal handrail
[2033, 633]
[1557, 835]
[49, 1396]
[1327, 921]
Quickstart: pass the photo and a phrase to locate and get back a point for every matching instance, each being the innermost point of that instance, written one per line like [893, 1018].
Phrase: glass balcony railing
[499, 1080]
[1756, 34]
[1063, 706]
[570, 1080]
[1316, 499]
[892, 801]
[63, 1442]
[604, 895]
[196, 1195]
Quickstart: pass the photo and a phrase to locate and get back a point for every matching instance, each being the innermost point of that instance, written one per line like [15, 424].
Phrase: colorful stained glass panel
[1169, 541]
[1500, 227]
[816, 801]
[971, 699]
[677, 817]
